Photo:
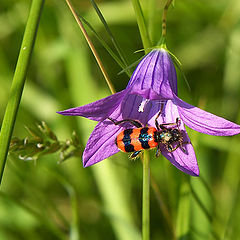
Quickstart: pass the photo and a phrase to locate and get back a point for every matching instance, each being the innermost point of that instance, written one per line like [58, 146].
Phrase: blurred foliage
[47, 200]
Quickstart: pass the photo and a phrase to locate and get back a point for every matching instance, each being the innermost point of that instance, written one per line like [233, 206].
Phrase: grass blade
[142, 25]
[109, 32]
[19, 80]
[106, 46]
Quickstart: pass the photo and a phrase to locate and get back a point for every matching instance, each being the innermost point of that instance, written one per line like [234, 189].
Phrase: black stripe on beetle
[144, 138]
[127, 140]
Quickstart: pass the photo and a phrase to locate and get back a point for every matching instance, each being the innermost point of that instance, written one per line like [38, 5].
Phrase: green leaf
[105, 45]
[100, 15]
[142, 25]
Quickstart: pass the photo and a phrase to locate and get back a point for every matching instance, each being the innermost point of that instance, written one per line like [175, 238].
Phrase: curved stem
[19, 80]
[94, 51]
[146, 198]
[120, 53]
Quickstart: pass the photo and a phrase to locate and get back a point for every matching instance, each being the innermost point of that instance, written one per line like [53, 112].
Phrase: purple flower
[152, 85]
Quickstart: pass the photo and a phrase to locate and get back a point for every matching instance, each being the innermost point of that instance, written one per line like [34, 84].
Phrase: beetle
[137, 139]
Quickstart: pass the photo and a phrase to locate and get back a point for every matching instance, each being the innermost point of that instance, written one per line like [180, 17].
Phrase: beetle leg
[135, 154]
[156, 122]
[162, 126]
[158, 152]
[181, 146]
[133, 122]
[170, 147]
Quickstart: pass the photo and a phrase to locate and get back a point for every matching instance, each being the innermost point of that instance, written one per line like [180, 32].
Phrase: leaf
[105, 45]
[100, 15]
[131, 66]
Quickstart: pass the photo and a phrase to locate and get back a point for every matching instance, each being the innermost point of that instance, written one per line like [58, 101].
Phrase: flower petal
[156, 72]
[131, 108]
[205, 122]
[185, 161]
[98, 110]
[101, 144]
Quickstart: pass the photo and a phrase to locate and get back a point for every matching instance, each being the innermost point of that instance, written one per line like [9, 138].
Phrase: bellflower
[152, 86]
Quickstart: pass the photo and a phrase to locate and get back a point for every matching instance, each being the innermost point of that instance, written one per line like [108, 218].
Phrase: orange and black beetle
[137, 139]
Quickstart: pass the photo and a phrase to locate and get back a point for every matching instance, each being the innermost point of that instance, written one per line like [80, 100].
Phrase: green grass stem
[146, 198]
[114, 41]
[19, 80]
[107, 47]
[142, 25]
[93, 49]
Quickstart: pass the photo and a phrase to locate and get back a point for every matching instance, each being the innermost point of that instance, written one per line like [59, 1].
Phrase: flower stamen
[143, 105]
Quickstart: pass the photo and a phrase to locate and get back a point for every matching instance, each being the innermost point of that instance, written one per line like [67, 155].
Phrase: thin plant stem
[164, 19]
[94, 51]
[151, 17]
[19, 80]
[109, 33]
[107, 47]
[146, 198]
[142, 25]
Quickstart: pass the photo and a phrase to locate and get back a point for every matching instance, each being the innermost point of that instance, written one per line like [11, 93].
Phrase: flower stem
[19, 80]
[94, 51]
[162, 41]
[146, 198]
[164, 19]
[142, 25]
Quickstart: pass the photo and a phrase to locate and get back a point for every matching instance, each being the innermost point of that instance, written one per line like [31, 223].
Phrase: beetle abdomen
[136, 139]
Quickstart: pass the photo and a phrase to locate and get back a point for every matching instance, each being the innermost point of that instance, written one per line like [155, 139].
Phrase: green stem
[164, 22]
[146, 198]
[19, 80]
[90, 44]
[110, 33]
[152, 11]
[142, 25]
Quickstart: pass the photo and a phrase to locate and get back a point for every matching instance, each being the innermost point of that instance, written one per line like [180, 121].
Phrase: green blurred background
[46, 200]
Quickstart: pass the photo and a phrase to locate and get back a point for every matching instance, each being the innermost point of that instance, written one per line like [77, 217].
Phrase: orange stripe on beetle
[136, 139]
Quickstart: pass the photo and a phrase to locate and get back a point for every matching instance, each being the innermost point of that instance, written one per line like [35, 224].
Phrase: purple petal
[155, 75]
[149, 93]
[185, 161]
[131, 105]
[101, 144]
[141, 68]
[98, 110]
[205, 122]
